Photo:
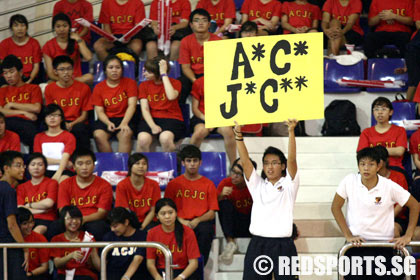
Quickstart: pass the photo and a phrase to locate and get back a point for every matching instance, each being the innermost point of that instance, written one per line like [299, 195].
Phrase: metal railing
[348, 246]
[106, 245]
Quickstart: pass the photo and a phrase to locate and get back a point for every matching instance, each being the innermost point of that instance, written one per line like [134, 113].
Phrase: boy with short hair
[90, 193]
[73, 97]
[196, 199]
[191, 51]
[38, 257]
[13, 169]
[392, 137]
[19, 102]
[8, 139]
[370, 207]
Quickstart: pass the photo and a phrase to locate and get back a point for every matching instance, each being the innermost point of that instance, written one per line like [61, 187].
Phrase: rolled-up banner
[371, 83]
[95, 29]
[139, 26]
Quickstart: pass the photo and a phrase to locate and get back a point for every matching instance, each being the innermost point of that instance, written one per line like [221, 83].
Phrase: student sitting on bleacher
[223, 12]
[341, 23]
[235, 203]
[74, 263]
[412, 59]
[38, 257]
[266, 13]
[197, 122]
[196, 199]
[370, 211]
[300, 17]
[90, 193]
[117, 18]
[20, 102]
[23, 46]
[75, 9]
[191, 52]
[66, 43]
[162, 116]
[125, 262]
[115, 101]
[137, 192]
[8, 139]
[181, 10]
[178, 238]
[392, 137]
[39, 195]
[56, 143]
[73, 97]
[415, 153]
[392, 21]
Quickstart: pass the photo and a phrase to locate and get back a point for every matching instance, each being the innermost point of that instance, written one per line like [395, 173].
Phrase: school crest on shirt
[280, 188]
[378, 200]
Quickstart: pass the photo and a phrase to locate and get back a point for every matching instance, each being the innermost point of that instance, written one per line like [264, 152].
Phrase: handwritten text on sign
[263, 79]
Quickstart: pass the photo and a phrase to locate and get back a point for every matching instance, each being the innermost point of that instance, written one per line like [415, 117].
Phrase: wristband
[182, 276]
[164, 75]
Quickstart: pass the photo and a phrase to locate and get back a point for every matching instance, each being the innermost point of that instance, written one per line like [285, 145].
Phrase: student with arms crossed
[273, 195]
[73, 97]
[196, 199]
[266, 13]
[13, 168]
[370, 209]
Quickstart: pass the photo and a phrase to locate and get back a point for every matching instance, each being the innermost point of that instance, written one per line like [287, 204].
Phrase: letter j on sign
[263, 79]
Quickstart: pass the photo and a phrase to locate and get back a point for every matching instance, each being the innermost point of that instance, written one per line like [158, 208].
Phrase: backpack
[340, 119]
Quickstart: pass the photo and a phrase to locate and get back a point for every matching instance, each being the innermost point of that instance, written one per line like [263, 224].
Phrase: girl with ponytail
[67, 43]
[125, 263]
[178, 238]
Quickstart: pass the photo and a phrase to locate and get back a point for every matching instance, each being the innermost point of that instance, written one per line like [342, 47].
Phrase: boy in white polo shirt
[370, 209]
[273, 194]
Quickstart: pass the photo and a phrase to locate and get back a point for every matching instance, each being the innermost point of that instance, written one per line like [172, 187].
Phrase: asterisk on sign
[301, 81]
[250, 88]
[300, 48]
[258, 51]
[285, 83]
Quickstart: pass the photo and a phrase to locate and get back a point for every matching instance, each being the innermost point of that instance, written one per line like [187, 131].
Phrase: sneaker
[227, 255]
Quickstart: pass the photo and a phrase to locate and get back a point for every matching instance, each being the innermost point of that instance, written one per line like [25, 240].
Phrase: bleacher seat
[383, 69]
[99, 75]
[162, 162]
[334, 71]
[213, 166]
[174, 72]
[110, 162]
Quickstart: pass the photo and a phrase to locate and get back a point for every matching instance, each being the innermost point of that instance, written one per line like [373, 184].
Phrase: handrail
[347, 246]
[107, 246]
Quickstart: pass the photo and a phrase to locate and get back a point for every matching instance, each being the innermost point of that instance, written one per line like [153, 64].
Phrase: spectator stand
[383, 69]
[334, 71]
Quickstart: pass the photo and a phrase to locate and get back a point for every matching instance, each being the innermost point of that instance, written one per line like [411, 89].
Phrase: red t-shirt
[28, 53]
[114, 100]
[48, 188]
[52, 49]
[10, 142]
[401, 7]
[25, 94]
[198, 93]
[256, 9]
[191, 52]
[399, 178]
[342, 13]
[180, 256]
[181, 9]
[81, 268]
[219, 12]
[37, 256]
[300, 15]
[97, 195]
[140, 201]
[73, 99]
[192, 198]
[394, 137]
[416, 11]
[160, 106]
[121, 18]
[240, 198]
[79, 9]
[415, 143]
[45, 144]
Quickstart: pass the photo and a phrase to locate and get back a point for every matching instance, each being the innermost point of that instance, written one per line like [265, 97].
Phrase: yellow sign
[263, 79]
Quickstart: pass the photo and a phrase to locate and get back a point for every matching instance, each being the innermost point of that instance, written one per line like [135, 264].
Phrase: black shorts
[146, 35]
[50, 173]
[41, 222]
[116, 121]
[181, 33]
[403, 223]
[194, 121]
[177, 127]
[352, 37]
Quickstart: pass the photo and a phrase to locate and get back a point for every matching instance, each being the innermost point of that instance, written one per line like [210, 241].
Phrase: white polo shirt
[370, 213]
[272, 206]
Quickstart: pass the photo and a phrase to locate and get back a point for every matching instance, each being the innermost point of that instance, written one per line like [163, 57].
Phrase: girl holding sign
[274, 195]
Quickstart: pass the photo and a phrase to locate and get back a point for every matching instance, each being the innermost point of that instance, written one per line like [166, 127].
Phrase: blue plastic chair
[334, 71]
[162, 162]
[213, 166]
[174, 72]
[383, 69]
[99, 74]
[185, 108]
[110, 162]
